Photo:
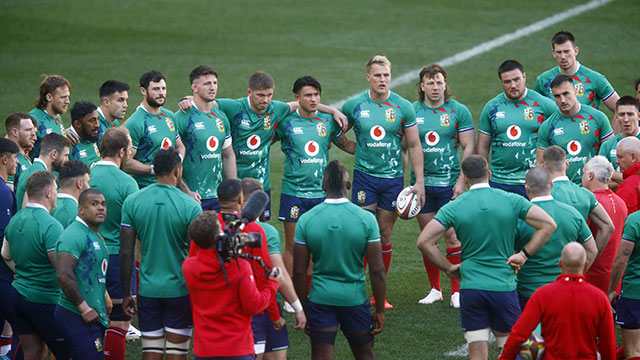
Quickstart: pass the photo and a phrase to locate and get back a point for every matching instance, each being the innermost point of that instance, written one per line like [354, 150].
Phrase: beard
[57, 164]
[154, 104]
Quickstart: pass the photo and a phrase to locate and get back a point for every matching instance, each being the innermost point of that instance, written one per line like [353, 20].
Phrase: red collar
[571, 278]
[633, 169]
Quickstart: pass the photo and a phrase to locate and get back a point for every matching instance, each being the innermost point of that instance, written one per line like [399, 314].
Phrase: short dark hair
[165, 161]
[48, 86]
[554, 158]
[201, 71]
[8, 147]
[53, 141]
[538, 180]
[628, 100]
[430, 71]
[13, 120]
[80, 109]
[509, 65]
[249, 186]
[151, 76]
[334, 177]
[84, 196]
[71, 170]
[111, 87]
[114, 139]
[559, 80]
[306, 81]
[562, 37]
[38, 182]
[204, 229]
[229, 189]
[636, 83]
[260, 80]
[475, 167]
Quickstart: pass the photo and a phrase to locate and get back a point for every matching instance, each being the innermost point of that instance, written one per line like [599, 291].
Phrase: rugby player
[206, 134]
[380, 118]
[21, 129]
[159, 215]
[113, 106]
[509, 127]
[628, 158]
[485, 220]
[86, 125]
[52, 102]
[444, 125]
[74, 179]
[578, 129]
[336, 235]
[636, 86]
[81, 269]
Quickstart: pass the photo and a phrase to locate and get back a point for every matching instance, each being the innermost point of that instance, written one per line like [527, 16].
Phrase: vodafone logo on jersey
[514, 132]
[574, 147]
[104, 267]
[311, 148]
[253, 142]
[166, 143]
[212, 143]
[377, 133]
[431, 138]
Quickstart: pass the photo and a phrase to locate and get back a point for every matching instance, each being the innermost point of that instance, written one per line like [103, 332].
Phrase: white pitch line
[492, 44]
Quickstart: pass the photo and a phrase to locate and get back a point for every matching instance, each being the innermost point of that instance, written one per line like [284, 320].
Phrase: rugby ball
[533, 348]
[407, 204]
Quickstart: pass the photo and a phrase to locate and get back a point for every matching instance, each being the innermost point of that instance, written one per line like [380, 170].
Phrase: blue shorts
[481, 309]
[114, 287]
[369, 190]
[436, 197]
[210, 204]
[267, 209]
[85, 341]
[246, 357]
[265, 333]
[292, 207]
[516, 189]
[159, 313]
[352, 319]
[522, 300]
[628, 313]
[35, 318]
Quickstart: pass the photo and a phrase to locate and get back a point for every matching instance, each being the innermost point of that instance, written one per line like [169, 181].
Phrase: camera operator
[222, 326]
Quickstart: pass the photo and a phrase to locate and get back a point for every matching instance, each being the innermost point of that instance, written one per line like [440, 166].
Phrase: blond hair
[378, 60]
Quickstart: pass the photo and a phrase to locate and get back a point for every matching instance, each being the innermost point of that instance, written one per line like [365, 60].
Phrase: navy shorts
[265, 333]
[246, 357]
[210, 204]
[352, 319]
[516, 189]
[159, 313]
[114, 287]
[523, 300]
[436, 197]
[481, 309]
[628, 313]
[292, 207]
[369, 190]
[35, 318]
[85, 341]
[267, 209]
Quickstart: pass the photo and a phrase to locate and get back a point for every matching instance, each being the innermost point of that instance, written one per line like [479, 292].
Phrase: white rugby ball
[407, 204]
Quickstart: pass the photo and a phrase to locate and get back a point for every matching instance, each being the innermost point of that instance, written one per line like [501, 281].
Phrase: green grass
[89, 42]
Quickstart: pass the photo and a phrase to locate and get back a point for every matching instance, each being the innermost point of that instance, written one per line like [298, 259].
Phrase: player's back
[576, 196]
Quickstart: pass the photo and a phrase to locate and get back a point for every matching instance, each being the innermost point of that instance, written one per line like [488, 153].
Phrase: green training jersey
[46, 125]
[204, 135]
[591, 86]
[150, 133]
[439, 135]
[116, 186]
[23, 164]
[305, 143]
[542, 267]
[580, 136]
[608, 149]
[104, 123]
[21, 188]
[160, 215]
[32, 234]
[90, 250]
[66, 209]
[379, 127]
[485, 220]
[631, 279]
[576, 196]
[513, 128]
[252, 135]
[337, 233]
[86, 152]
[273, 237]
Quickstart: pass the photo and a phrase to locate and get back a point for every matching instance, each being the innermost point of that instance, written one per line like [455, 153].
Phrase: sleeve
[300, 237]
[273, 239]
[543, 134]
[484, 125]
[593, 202]
[526, 323]
[548, 106]
[584, 233]
[465, 121]
[605, 126]
[228, 141]
[606, 332]
[172, 116]
[604, 90]
[539, 86]
[229, 107]
[11, 178]
[127, 214]
[446, 214]
[523, 235]
[70, 245]
[51, 236]
[180, 122]
[281, 110]
[134, 131]
[253, 301]
[347, 110]
[336, 132]
[373, 234]
[522, 205]
[408, 114]
[630, 232]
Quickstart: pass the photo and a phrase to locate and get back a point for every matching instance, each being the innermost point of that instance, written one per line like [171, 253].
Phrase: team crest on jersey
[362, 196]
[528, 113]
[253, 142]
[169, 124]
[98, 343]
[390, 115]
[322, 129]
[95, 148]
[220, 125]
[431, 138]
[584, 127]
[377, 133]
[444, 119]
[104, 267]
[267, 122]
[294, 212]
[579, 89]
[166, 143]
[212, 143]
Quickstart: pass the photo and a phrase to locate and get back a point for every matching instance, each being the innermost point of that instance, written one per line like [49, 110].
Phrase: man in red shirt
[628, 158]
[596, 175]
[223, 326]
[576, 316]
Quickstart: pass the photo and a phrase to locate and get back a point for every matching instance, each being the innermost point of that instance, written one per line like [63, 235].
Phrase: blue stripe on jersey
[465, 129]
[624, 238]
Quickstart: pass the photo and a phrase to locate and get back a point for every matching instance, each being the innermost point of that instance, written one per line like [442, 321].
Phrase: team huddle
[114, 218]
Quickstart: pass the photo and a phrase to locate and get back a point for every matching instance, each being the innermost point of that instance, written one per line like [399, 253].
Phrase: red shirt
[628, 188]
[573, 314]
[599, 274]
[222, 313]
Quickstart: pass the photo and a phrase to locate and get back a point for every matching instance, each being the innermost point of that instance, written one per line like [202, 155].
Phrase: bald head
[537, 182]
[630, 144]
[573, 259]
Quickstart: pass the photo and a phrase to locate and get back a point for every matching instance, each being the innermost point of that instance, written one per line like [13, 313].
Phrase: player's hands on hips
[301, 320]
[454, 271]
[276, 274]
[458, 189]
[129, 306]
[195, 196]
[378, 323]
[108, 303]
[185, 104]
[279, 324]
[72, 136]
[612, 297]
[418, 189]
[90, 316]
[517, 260]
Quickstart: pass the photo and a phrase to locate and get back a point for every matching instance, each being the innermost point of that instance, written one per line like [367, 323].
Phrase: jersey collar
[78, 218]
[67, 196]
[40, 161]
[479, 186]
[36, 205]
[560, 178]
[542, 198]
[105, 162]
[336, 201]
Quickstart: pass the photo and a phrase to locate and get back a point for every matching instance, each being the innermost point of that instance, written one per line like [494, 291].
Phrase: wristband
[183, 99]
[297, 305]
[524, 251]
[152, 170]
[83, 305]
